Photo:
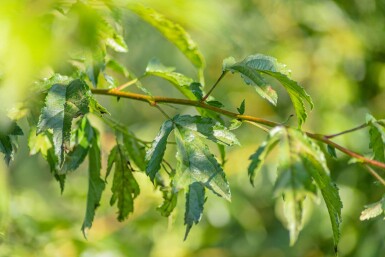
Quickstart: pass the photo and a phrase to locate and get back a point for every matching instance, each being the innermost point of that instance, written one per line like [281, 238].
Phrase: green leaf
[117, 67]
[258, 158]
[181, 82]
[84, 136]
[95, 65]
[195, 163]
[252, 69]
[46, 84]
[302, 168]
[377, 136]
[8, 141]
[111, 160]
[95, 184]
[207, 128]
[96, 107]
[373, 210]
[215, 103]
[170, 198]
[332, 151]
[196, 89]
[62, 104]
[131, 148]
[195, 199]
[154, 155]
[173, 32]
[124, 186]
[241, 108]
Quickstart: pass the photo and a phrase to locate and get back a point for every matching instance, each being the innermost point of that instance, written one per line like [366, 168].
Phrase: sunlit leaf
[62, 104]
[195, 199]
[208, 128]
[252, 69]
[195, 163]
[373, 210]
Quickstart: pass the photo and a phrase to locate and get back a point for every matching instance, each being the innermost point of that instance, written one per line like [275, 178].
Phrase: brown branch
[152, 100]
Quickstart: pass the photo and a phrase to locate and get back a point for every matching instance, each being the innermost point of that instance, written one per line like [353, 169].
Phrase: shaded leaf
[208, 128]
[195, 199]
[241, 108]
[124, 186]
[8, 141]
[196, 89]
[377, 136]
[154, 155]
[195, 163]
[215, 103]
[170, 198]
[62, 105]
[95, 184]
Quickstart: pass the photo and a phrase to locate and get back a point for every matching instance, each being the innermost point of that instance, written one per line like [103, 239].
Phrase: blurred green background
[335, 49]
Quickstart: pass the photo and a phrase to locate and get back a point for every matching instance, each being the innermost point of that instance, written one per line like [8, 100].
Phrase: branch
[347, 131]
[160, 99]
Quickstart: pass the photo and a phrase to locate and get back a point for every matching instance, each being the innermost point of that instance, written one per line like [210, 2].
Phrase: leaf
[332, 151]
[207, 128]
[258, 158]
[124, 186]
[373, 210]
[62, 105]
[131, 148]
[241, 108]
[181, 82]
[84, 137]
[302, 166]
[46, 83]
[252, 69]
[154, 155]
[215, 103]
[95, 65]
[196, 89]
[95, 184]
[170, 198]
[8, 141]
[195, 199]
[173, 32]
[195, 163]
[377, 136]
[117, 67]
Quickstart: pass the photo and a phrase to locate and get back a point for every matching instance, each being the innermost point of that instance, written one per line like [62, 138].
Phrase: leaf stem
[152, 100]
[213, 87]
[347, 131]
[127, 84]
[375, 174]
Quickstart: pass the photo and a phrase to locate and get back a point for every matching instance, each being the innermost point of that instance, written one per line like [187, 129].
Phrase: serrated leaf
[46, 83]
[241, 108]
[195, 199]
[377, 136]
[84, 136]
[170, 198]
[252, 69]
[180, 81]
[173, 32]
[208, 128]
[95, 184]
[8, 141]
[62, 105]
[373, 210]
[302, 166]
[124, 186]
[154, 155]
[258, 158]
[131, 148]
[117, 67]
[195, 163]
[215, 103]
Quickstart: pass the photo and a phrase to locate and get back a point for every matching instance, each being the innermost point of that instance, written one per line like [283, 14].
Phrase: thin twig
[162, 111]
[375, 174]
[213, 87]
[347, 131]
[127, 84]
[159, 99]
[258, 126]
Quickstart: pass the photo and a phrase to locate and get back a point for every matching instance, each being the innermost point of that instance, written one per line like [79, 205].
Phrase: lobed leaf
[195, 163]
[124, 186]
[95, 184]
[63, 103]
[195, 199]
[154, 155]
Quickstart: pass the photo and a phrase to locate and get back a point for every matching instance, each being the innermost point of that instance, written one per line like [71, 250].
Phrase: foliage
[63, 112]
